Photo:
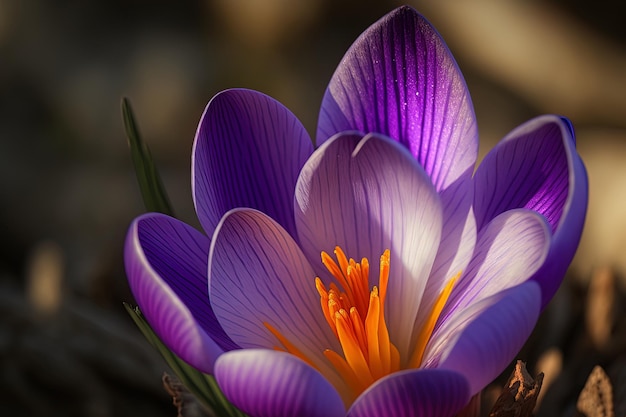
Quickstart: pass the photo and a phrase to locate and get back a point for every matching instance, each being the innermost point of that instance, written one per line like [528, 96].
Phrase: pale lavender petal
[248, 152]
[259, 275]
[368, 195]
[414, 393]
[455, 253]
[510, 249]
[400, 79]
[458, 239]
[537, 167]
[458, 235]
[482, 340]
[264, 383]
[166, 265]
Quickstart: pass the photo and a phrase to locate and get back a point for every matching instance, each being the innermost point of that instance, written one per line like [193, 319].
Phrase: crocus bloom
[451, 267]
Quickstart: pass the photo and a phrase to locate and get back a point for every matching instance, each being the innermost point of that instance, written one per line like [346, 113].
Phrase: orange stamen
[362, 333]
[429, 325]
[289, 347]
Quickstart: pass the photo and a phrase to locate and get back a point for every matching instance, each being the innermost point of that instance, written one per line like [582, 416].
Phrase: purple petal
[414, 393]
[529, 168]
[259, 275]
[537, 167]
[510, 249]
[264, 383]
[368, 195]
[400, 79]
[248, 152]
[482, 340]
[166, 264]
[567, 235]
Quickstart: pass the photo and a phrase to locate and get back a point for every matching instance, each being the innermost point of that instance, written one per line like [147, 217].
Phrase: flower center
[356, 315]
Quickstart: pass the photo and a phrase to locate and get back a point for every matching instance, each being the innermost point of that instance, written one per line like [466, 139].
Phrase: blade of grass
[152, 190]
[203, 386]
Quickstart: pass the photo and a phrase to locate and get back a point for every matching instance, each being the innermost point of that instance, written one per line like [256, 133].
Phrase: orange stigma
[357, 317]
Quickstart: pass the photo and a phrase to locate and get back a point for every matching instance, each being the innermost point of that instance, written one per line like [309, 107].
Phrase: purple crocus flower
[269, 299]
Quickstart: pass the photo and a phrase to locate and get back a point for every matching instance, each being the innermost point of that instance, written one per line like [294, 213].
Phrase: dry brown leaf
[519, 395]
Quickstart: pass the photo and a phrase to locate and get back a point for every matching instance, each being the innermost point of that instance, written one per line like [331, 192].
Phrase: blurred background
[68, 189]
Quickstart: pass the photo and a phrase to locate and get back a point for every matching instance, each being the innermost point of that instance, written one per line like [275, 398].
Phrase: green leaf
[202, 385]
[152, 190]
